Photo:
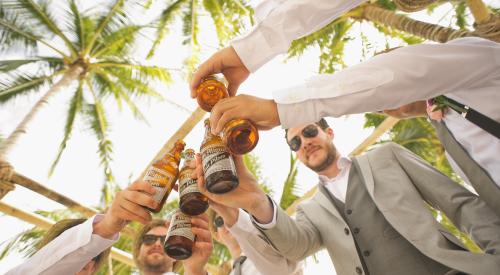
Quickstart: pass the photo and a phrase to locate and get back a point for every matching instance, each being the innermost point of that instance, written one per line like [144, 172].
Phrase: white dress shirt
[262, 258]
[337, 186]
[68, 253]
[279, 22]
[466, 70]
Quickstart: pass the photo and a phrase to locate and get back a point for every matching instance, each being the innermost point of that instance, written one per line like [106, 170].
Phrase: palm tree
[85, 54]
[228, 18]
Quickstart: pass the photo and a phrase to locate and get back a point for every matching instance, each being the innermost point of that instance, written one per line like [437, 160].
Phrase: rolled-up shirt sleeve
[281, 22]
[393, 79]
[68, 253]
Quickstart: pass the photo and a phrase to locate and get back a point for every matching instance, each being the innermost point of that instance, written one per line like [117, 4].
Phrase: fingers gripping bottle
[191, 202]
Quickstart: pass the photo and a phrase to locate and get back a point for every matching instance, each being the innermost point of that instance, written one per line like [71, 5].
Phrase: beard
[162, 265]
[331, 155]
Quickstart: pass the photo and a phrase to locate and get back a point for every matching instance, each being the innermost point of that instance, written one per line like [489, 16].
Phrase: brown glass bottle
[218, 165]
[163, 173]
[240, 135]
[191, 202]
[180, 238]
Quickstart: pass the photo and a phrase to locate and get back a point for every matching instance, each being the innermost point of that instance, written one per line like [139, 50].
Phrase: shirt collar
[342, 164]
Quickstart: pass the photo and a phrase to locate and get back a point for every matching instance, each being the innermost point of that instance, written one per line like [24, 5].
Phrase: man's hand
[414, 109]
[202, 248]
[128, 205]
[228, 214]
[436, 115]
[246, 195]
[225, 61]
[262, 112]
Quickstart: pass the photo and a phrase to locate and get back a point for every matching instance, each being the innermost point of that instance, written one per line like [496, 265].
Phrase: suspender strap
[489, 125]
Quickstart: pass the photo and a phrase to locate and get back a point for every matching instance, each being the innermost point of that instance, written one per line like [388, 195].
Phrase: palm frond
[253, 164]
[103, 22]
[16, 33]
[77, 26]
[117, 43]
[25, 242]
[217, 14]
[16, 84]
[166, 17]
[107, 85]
[75, 107]
[98, 123]
[190, 27]
[53, 63]
[289, 194]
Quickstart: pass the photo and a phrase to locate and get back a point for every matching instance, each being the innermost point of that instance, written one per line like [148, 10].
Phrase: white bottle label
[160, 180]
[187, 184]
[180, 225]
[216, 158]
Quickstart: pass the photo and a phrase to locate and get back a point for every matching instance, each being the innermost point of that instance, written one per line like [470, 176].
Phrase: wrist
[106, 228]
[262, 209]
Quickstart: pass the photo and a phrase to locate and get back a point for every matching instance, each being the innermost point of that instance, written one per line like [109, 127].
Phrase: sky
[135, 143]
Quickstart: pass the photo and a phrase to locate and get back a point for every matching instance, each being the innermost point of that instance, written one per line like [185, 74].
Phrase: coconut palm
[228, 18]
[84, 53]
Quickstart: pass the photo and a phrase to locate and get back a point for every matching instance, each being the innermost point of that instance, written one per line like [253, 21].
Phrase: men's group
[371, 212]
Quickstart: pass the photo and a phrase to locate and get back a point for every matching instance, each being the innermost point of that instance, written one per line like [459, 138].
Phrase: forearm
[390, 80]
[279, 24]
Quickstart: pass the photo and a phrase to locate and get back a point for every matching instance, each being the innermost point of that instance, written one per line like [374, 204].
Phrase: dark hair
[321, 123]
[59, 227]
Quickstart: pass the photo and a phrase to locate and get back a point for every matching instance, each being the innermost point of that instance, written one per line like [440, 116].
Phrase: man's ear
[329, 133]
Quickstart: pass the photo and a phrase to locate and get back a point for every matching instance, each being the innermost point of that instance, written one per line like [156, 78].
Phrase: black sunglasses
[309, 131]
[150, 239]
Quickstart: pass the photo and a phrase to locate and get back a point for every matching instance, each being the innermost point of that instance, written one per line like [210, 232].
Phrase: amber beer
[192, 202]
[180, 238]
[163, 173]
[218, 165]
[240, 135]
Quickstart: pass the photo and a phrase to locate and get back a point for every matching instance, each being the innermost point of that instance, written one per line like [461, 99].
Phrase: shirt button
[366, 253]
[348, 211]
[355, 230]
[359, 270]
[346, 231]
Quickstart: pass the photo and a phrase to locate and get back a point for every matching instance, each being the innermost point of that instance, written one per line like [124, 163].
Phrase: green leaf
[289, 195]
[17, 84]
[75, 107]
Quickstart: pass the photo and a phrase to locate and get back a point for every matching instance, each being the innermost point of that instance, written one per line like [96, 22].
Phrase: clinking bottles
[163, 173]
[239, 135]
[192, 202]
[180, 237]
[218, 165]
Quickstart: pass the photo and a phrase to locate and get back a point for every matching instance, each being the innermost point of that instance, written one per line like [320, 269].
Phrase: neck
[332, 170]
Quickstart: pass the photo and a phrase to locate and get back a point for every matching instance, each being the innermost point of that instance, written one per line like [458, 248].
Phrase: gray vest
[382, 249]
[479, 178]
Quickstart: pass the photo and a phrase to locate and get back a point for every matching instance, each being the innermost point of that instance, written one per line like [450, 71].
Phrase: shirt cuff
[273, 221]
[258, 47]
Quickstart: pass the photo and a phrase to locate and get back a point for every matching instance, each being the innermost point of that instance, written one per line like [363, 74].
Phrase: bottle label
[180, 225]
[160, 180]
[216, 158]
[187, 185]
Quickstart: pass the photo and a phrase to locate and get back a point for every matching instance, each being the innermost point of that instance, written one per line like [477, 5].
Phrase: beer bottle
[192, 202]
[163, 173]
[180, 238]
[218, 165]
[240, 135]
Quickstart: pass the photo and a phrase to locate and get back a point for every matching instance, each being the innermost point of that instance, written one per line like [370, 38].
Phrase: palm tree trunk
[413, 5]
[486, 24]
[69, 76]
[426, 30]
[479, 11]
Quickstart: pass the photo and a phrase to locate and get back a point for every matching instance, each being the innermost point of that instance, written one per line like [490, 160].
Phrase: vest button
[355, 230]
[366, 253]
[359, 270]
[348, 211]
[346, 231]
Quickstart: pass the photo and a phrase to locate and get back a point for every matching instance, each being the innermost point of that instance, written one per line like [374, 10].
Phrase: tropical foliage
[85, 53]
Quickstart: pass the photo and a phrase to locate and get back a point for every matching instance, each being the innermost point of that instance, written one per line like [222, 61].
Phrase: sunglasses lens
[295, 143]
[151, 239]
[310, 131]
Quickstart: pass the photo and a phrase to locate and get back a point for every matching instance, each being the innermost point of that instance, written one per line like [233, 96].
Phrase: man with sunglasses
[150, 256]
[371, 212]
